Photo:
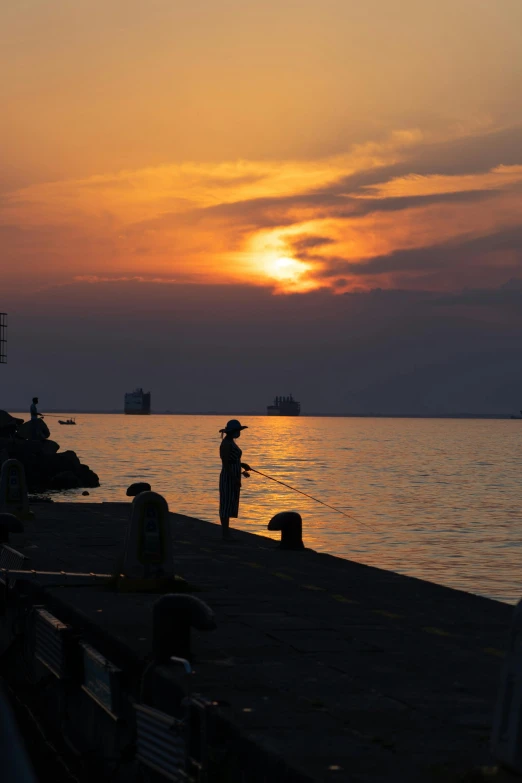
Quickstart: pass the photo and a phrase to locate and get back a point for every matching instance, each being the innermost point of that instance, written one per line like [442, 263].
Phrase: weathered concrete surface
[349, 673]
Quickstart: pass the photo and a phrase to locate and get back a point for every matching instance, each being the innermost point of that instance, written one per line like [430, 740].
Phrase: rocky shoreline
[46, 467]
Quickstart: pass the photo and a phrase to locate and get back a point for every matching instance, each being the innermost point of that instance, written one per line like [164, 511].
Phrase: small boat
[67, 421]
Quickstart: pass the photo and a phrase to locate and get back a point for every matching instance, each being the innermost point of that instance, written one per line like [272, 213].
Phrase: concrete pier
[319, 669]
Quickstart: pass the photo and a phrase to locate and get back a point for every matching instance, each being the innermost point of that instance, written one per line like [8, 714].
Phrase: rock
[49, 447]
[65, 480]
[44, 463]
[67, 460]
[87, 477]
[61, 462]
[6, 420]
[135, 489]
[22, 449]
[25, 430]
[8, 424]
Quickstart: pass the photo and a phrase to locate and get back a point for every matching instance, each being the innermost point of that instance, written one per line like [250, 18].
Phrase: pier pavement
[339, 671]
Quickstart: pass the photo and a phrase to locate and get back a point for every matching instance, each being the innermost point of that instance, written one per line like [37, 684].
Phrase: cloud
[302, 244]
[93, 279]
[459, 254]
[405, 211]
[508, 294]
[470, 154]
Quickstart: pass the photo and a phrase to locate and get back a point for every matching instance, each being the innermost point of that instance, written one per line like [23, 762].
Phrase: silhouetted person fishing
[35, 416]
[230, 478]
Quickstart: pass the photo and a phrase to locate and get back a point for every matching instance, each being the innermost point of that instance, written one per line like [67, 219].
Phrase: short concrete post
[506, 738]
[173, 617]
[148, 544]
[291, 526]
[11, 530]
[13, 490]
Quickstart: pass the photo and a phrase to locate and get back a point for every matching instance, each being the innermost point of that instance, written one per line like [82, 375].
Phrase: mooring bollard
[13, 490]
[173, 617]
[135, 489]
[11, 530]
[148, 544]
[291, 526]
[506, 737]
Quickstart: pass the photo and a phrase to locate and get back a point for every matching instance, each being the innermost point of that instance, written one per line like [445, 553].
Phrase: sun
[286, 269]
[269, 257]
[288, 273]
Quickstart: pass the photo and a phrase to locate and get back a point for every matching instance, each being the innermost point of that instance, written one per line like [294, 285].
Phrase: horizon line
[311, 414]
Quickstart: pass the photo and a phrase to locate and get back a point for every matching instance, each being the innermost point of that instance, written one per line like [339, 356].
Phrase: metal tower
[3, 338]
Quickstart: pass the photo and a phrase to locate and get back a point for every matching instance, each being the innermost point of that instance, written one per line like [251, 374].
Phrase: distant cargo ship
[284, 406]
[137, 403]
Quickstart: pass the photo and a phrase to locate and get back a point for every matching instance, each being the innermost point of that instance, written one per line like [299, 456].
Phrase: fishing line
[338, 510]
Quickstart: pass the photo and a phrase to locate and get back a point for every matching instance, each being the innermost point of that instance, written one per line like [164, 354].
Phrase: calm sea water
[436, 499]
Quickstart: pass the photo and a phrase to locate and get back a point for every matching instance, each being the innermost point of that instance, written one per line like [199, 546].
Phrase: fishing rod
[52, 415]
[338, 510]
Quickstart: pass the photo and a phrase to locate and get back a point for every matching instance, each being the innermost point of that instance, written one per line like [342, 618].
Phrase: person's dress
[229, 489]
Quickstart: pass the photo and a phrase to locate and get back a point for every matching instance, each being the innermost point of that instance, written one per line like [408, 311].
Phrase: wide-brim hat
[233, 426]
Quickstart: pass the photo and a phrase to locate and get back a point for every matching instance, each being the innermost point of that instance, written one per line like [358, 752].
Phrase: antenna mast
[3, 338]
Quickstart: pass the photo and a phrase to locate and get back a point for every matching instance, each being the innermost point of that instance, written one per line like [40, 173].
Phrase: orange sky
[300, 144]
